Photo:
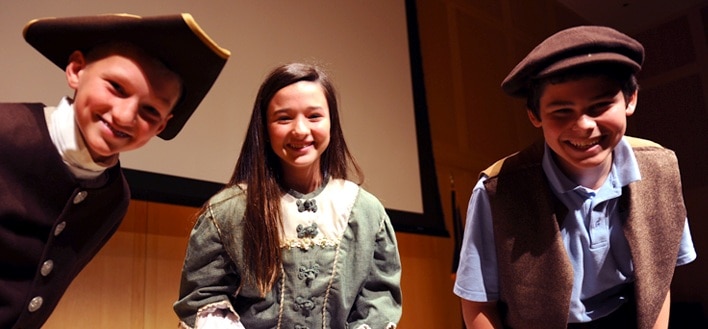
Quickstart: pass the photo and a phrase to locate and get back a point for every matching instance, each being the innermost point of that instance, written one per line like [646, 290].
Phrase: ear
[77, 62]
[632, 104]
[534, 121]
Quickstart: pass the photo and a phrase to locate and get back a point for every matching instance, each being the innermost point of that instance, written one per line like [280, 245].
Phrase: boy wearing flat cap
[584, 228]
[63, 194]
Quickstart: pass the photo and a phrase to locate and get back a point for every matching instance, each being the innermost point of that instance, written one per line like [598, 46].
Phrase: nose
[125, 112]
[585, 122]
[300, 127]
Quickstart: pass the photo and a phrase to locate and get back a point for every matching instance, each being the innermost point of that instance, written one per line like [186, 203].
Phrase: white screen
[362, 44]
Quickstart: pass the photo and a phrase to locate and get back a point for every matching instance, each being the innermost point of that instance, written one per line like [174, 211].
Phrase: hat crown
[572, 47]
[176, 40]
[583, 40]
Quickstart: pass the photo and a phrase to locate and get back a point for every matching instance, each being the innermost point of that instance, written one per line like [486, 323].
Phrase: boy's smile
[582, 121]
[122, 100]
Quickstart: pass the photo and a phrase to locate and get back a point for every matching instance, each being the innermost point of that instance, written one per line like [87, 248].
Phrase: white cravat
[69, 142]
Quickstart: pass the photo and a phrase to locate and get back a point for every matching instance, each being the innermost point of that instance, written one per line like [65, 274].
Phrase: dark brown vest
[46, 214]
[535, 275]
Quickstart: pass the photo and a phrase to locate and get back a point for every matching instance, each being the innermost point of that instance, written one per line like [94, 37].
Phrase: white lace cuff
[218, 316]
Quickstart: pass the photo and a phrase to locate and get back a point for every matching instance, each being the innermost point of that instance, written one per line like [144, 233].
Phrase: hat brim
[176, 40]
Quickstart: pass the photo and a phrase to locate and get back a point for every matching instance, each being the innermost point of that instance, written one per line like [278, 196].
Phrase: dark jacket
[535, 275]
[51, 224]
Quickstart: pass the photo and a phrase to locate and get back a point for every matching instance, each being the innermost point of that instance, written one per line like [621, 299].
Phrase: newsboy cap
[573, 47]
[176, 40]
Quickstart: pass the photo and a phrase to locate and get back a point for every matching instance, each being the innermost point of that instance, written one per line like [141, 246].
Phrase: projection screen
[368, 47]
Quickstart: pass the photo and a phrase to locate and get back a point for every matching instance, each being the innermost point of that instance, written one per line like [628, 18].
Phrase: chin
[102, 151]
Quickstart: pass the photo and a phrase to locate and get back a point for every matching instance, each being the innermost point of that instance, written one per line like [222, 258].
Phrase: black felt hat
[176, 40]
[570, 48]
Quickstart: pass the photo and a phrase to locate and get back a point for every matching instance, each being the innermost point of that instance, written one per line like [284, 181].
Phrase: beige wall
[468, 47]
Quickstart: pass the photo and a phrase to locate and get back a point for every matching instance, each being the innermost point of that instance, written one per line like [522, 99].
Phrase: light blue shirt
[591, 232]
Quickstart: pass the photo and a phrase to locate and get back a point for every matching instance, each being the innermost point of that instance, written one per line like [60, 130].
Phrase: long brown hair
[259, 168]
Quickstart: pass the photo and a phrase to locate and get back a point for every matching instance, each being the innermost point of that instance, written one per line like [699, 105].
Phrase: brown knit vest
[535, 275]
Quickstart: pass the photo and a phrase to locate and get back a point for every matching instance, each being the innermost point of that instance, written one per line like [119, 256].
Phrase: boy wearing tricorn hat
[583, 229]
[63, 194]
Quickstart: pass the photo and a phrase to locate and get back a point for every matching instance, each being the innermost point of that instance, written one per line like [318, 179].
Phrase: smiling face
[299, 129]
[582, 121]
[123, 98]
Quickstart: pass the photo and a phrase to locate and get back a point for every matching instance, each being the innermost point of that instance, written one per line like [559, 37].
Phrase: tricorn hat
[176, 40]
[570, 48]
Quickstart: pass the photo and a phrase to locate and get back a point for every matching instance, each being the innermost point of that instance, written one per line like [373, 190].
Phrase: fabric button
[35, 304]
[47, 267]
[59, 228]
[80, 197]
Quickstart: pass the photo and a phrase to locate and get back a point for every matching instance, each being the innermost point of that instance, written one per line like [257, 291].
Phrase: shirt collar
[69, 142]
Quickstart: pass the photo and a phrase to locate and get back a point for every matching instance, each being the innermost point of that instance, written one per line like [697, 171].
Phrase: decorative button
[306, 205]
[310, 231]
[47, 267]
[59, 228]
[80, 197]
[35, 304]
[304, 305]
[308, 273]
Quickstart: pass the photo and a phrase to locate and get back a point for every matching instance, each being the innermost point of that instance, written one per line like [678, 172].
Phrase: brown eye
[562, 112]
[117, 88]
[599, 108]
[150, 114]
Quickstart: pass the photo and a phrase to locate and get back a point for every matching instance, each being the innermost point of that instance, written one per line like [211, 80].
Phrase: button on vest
[35, 304]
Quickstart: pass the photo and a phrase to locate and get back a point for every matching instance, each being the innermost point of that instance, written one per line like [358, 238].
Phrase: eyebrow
[288, 109]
